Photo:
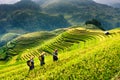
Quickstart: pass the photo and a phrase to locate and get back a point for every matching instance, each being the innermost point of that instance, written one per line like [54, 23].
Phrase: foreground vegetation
[83, 55]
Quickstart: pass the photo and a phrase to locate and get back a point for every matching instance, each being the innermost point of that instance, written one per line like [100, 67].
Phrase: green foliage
[28, 20]
[83, 10]
[26, 16]
[26, 41]
[97, 59]
[94, 22]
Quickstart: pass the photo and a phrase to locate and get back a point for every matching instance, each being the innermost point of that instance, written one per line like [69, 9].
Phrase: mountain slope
[75, 11]
[26, 16]
[63, 6]
[18, 45]
[116, 5]
[6, 9]
[32, 21]
[78, 11]
[99, 56]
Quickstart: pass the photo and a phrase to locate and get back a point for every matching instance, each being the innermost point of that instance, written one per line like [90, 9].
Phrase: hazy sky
[8, 1]
[99, 1]
[107, 1]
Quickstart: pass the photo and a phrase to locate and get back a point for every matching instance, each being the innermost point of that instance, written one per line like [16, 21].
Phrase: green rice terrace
[84, 54]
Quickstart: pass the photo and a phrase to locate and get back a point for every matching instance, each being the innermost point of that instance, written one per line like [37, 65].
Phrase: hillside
[34, 15]
[32, 40]
[79, 11]
[116, 5]
[6, 9]
[23, 42]
[26, 16]
[90, 51]
[14, 44]
[7, 37]
[82, 53]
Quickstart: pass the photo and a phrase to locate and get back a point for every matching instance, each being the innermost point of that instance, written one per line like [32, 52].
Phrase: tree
[94, 22]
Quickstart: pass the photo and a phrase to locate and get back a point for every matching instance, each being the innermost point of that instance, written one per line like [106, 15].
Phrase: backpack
[55, 58]
[29, 63]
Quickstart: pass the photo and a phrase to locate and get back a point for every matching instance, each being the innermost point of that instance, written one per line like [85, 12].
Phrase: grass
[27, 41]
[83, 55]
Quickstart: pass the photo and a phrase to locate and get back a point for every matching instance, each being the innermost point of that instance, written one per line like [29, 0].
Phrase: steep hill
[13, 45]
[26, 16]
[116, 5]
[24, 42]
[79, 11]
[7, 37]
[37, 41]
[86, 52]
[6, 9]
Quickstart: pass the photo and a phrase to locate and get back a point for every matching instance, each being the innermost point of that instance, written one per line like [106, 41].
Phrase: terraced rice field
[83, 55]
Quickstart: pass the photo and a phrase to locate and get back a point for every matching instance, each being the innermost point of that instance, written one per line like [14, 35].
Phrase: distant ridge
[79, 11]
[27, 16]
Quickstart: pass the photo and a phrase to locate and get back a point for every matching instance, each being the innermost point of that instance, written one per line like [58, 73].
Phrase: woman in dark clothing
[32, 63]
[42, 58]
[55, 55]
